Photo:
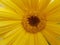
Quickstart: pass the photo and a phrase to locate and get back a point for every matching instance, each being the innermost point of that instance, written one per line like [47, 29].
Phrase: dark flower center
[33, 20]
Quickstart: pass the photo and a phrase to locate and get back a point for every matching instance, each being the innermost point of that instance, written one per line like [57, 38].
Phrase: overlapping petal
[40, 39]
[52, 33]
[26, 5]
[53, 21]
[7, 14]
[53, 11]
[51, 37]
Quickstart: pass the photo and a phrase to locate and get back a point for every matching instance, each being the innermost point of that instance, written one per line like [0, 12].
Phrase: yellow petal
[43, 4]
[19, 39]
[32, 5]
[26, 5]
[23, 40]
[52, 33]
[12, 6]
[14, 35]
[54, 27]
[51, 37]
[56, 36]
[2, 42]
[22, 4]
[6, 14]
[6, 27]
[55, 17]
[41, 40]
[5, 23]
[53, 11]
[31, 40]
[53, 7]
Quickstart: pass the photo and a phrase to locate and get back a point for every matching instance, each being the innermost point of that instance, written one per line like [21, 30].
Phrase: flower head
[30, 22]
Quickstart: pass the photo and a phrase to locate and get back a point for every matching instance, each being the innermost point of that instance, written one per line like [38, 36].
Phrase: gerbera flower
[30, 22]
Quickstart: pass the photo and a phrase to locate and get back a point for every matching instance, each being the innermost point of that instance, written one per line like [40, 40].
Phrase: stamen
[33, 20]
[33, 23]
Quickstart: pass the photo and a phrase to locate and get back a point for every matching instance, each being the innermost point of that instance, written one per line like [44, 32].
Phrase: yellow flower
[30, 22]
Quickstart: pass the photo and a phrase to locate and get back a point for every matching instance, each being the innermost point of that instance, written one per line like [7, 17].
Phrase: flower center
[33, 20]
[33, 23]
